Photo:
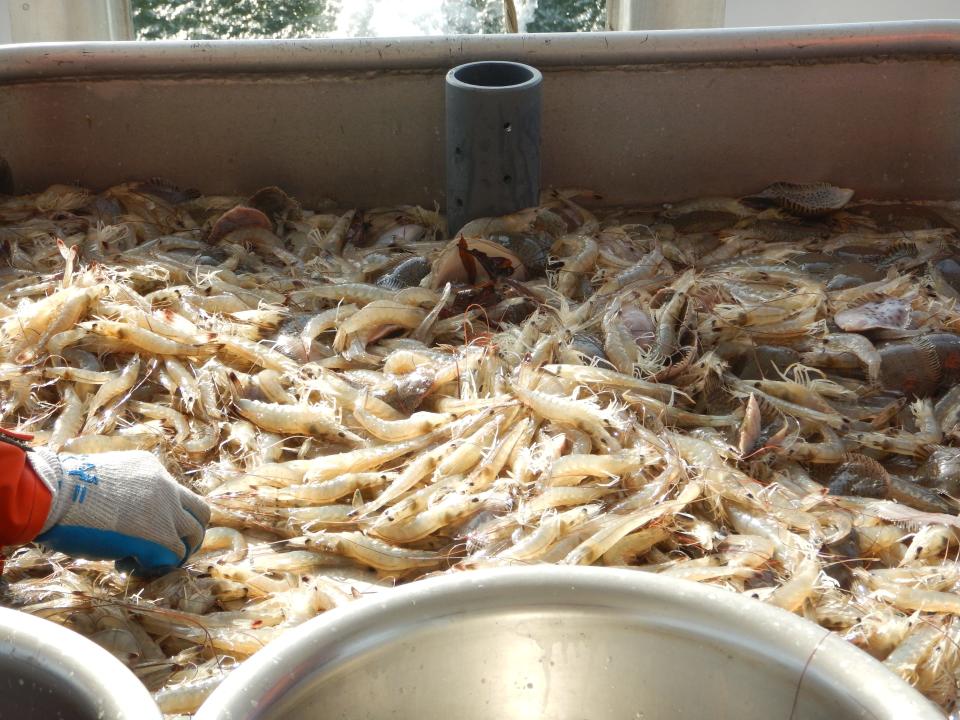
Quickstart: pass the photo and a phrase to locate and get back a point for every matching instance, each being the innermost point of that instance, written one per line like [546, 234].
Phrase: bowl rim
[56, 650]
[266, 675]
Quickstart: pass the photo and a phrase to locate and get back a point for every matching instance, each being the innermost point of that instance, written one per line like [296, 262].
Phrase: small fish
[807, 199]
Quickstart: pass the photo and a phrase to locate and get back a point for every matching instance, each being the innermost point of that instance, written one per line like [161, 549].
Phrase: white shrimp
[391, 430]
[566, 411]
[316, 420]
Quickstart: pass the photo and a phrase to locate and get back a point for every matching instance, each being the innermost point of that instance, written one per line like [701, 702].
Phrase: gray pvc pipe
[493, 140]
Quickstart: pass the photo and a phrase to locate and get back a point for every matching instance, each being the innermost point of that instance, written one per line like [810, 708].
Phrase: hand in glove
[121, 506]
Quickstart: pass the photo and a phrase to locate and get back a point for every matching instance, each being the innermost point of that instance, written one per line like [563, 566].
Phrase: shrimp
[619, 527]
[207, 386]
[378, 314]
[78, 375]
[913, 650]
[795, 591]
[552, 527]
[833, 419]
[826, 452]
[167, 414]
[30, 321]
[186, 383]
[164, 322]
[257, 355]
[644, 270]
[563, 497]
[634, 545]
[580, 262]
[424, 330]
[62, 340]
[146, 340]
[220, 538]
[334, 388]
[896, 512]
[360, 293]
[618, 345]
[91, 444]
[412, 475]
[270, 383]
[929, 542]
[587, 375]
[320, 493]
[468, 451]
[670, 317]
[69, 422]
[580, 413]
[367, 458]
[294, 561]
[571, 469]
[858, 346]
[730, 206]
[392, 430]
[882, 541]
[312, 420]
[326, 320]
[677, 416]
[484, 475]
[792, 392]
[310, 519]
[624, 407]
[752, 551]
[935, 676]
[187, 697]
[72, 309]
[243, 642]
[907, 598]
[750, 429]
[900, 443]
[788, 548]
[374, 553]
[451, 508]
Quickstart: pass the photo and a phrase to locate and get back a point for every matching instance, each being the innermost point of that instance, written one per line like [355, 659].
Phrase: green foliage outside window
[215, 19]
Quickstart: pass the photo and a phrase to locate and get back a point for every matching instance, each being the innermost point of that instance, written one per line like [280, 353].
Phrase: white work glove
[121, 506]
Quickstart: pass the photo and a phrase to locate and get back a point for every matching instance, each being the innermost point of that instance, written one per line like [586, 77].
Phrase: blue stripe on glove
[133, 554]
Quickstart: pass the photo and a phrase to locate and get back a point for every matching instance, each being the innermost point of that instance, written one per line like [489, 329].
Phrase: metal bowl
[562, 643]
[48, 672]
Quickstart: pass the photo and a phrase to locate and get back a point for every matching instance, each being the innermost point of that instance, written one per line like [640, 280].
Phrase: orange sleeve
[24, 499]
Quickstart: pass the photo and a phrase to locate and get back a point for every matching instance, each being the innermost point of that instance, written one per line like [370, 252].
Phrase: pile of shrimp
[757, 393]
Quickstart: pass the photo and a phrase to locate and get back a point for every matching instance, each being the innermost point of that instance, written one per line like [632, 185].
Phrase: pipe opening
[494, 74]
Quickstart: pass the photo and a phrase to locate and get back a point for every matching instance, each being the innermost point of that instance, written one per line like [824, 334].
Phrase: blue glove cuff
[133, 554]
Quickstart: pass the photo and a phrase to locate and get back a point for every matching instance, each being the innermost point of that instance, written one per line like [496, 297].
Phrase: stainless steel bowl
[49, 672]
[562, 644]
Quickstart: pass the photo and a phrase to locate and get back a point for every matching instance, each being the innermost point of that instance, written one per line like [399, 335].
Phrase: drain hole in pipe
[494, 74]
[459, 202]
[507, 127]
[507, 178]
